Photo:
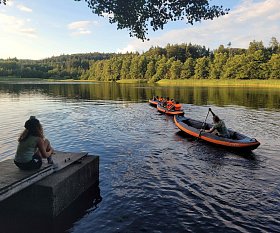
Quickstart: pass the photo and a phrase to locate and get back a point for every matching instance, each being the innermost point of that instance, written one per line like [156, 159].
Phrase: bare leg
[49, 149]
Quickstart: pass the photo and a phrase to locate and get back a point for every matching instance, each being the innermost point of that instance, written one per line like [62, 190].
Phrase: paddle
[212, 112]
[203, 125]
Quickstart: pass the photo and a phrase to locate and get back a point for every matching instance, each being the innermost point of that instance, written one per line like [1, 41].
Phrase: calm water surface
[152, 177]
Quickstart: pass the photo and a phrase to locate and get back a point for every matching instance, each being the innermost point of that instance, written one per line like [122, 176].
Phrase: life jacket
[169, 103]
[169, 107]
[177, 107]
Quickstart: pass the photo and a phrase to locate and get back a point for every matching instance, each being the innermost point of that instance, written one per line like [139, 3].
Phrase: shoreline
[166, 82]
[221, 83]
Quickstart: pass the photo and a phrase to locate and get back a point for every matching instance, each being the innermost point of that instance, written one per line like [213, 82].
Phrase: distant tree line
[184, 61]
[59, 67]
[188, 61]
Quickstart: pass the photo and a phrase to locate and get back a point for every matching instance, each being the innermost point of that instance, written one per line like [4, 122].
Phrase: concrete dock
[53, 193]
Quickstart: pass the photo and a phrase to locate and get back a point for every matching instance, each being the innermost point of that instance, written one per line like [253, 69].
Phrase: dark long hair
[216, 119]
[33, 127]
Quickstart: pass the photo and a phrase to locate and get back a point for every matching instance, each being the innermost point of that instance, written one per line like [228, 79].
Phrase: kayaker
[218, 127]
[176, 106]
[155, 98]
[169, 103]
[164, 101]
[32, 146]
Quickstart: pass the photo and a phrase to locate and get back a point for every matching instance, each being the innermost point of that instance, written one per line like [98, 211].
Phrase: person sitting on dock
[32, 146]
[218, 127]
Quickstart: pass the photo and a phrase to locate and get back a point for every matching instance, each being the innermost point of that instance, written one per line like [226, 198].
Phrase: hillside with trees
[187, 61]
[184, 61]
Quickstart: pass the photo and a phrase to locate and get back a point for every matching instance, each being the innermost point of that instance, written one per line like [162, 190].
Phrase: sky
[37, 29]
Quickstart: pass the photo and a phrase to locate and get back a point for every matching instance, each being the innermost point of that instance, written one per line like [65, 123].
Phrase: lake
[153, 178]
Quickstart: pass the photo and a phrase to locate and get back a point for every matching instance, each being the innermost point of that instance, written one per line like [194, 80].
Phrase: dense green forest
[60, 67]
[184, 61]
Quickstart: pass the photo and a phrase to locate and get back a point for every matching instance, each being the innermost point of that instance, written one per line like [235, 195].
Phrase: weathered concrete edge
[51, 195]
[22, 184]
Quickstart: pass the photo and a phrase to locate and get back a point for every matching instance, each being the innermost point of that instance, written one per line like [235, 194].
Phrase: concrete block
[51, 195]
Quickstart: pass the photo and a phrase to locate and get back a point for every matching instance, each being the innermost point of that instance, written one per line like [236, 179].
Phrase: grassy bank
[69, 80]
[18, 79]
[217, 83]
[127, 81]
[166, 82]
[132, 81]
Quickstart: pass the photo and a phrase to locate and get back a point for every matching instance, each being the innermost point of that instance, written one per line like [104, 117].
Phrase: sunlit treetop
[139, 15]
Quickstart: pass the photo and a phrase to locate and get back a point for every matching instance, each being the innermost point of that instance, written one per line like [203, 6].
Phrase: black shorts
[35, 163]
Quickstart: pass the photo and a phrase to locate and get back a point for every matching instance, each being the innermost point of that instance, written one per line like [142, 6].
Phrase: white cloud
[128, 48]
[13, 25]
[28, 31]
[247, 22]
[24, 8]
[81, 27]
[83, 32]
[275, 16]
[78, 25]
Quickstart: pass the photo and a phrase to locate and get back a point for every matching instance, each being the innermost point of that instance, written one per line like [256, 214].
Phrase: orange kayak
[154, 103]
[169, 112]
[236, 141]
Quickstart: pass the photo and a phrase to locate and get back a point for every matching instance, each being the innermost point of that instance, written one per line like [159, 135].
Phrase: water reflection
[257, 98]
[149, 171]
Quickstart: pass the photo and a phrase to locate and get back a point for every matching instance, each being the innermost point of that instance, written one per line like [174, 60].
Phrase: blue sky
[36, 29]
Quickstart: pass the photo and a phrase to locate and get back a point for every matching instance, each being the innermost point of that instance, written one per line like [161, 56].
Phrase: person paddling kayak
[218, 127]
